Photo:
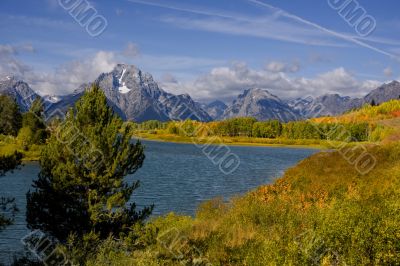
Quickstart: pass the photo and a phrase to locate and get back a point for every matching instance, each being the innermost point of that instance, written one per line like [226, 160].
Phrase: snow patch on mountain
[52, 98]
[122, 87]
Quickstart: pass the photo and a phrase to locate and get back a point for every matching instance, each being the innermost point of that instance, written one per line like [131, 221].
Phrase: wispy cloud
[176, 63]
[265, 26]
[197, 11]
[345, 37]
[277, 24]
[7, 20]
[388, 72]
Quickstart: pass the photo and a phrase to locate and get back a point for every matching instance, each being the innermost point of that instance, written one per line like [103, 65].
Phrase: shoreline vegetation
[244, 141]
[369, 125]
[29, 154]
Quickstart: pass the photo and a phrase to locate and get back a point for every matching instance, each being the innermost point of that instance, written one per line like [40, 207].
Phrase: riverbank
[33, 153]
[246, 141]
[29, 155]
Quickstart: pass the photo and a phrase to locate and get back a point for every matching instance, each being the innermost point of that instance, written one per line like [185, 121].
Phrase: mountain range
[334, 104]
[135, 96]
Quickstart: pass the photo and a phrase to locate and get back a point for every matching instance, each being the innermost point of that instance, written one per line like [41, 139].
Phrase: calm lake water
[174, 177]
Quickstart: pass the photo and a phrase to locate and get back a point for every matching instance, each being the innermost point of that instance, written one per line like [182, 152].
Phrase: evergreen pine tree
[34, 122]
[10, 116]
[81, 188]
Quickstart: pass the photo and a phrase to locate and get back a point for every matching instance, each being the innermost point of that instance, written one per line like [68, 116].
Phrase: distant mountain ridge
[334, 104]
[384, 93]
[262, 105]
[215, 109]
[324, 105]
[135, 96]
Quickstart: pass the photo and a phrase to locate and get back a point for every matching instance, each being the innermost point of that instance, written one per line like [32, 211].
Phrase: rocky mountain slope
[325, 105]
[384, 93]
[334, 104]
[215, 109]
[19, 90]
[135, 96]
[262, 105]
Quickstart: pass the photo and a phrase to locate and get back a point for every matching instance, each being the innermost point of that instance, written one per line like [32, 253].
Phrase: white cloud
[131, 50]
[388, 72]
[13, 50]
[70, 76]
[64, 79]
[10, 64]
[7, 50]
[169, 78]
[337, 81]
[227, 82]
[276, 66]
[119, 12]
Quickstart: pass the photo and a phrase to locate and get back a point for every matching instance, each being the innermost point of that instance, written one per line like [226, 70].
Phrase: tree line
[273, 129]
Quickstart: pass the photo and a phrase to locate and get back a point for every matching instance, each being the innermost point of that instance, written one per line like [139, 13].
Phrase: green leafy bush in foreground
[322, 212]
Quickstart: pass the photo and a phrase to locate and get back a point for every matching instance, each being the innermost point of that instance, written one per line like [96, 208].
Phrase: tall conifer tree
[81, 187]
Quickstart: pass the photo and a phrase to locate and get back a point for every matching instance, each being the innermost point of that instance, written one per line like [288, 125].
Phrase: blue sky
[209, 48]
